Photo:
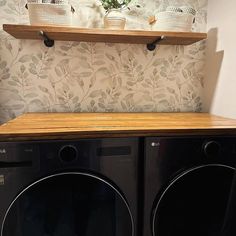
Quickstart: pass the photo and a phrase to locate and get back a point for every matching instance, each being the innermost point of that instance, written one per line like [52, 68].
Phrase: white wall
[220, 82]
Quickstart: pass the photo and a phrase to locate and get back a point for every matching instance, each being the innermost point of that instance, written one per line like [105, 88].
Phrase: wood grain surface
[103, 35]
[37, 126]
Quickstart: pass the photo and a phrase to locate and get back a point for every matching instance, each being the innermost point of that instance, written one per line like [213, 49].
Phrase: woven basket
[174, 21]
[50, 14]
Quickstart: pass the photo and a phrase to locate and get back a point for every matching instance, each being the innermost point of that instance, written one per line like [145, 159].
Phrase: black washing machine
[188, 186]
[69, 188]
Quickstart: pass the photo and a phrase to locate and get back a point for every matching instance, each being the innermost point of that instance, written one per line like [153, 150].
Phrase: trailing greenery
[117, 4]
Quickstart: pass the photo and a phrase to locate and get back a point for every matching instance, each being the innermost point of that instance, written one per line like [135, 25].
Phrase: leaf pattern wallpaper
[99, 77]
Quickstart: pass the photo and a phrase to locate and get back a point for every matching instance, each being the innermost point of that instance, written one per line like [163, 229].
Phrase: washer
[187, 185]
[69, 188]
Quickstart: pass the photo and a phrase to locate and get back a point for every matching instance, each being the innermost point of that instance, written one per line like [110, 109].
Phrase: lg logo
[3, 151]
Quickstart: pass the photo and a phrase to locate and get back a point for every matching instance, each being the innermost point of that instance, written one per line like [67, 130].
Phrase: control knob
[68, 153]
[212, 149]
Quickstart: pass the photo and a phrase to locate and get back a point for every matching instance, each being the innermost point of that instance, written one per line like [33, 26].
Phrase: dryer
[69, 188]
[187, 185]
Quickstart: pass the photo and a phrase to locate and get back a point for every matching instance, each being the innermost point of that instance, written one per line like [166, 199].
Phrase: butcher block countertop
[44, 126]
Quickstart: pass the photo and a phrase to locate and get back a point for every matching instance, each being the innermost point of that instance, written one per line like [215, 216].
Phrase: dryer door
[69, 204]
[194, 203]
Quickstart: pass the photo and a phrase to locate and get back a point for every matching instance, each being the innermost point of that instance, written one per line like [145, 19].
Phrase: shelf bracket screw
[152, 46]
[47, 41]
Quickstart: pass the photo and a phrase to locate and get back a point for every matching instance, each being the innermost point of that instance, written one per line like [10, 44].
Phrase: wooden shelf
[103, 35]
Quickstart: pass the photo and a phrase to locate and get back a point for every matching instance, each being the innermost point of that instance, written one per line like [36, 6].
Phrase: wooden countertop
[39, 126]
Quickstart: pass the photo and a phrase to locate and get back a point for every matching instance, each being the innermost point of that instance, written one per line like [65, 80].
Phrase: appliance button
[68, 153]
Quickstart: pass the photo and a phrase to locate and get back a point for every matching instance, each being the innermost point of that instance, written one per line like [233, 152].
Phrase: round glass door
[69, 204]
[194, 203]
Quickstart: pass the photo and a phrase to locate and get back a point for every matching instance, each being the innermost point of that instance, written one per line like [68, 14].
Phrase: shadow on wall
[213, 66]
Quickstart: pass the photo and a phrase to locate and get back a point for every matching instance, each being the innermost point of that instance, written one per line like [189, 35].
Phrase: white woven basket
[50, 14]
[174, 21]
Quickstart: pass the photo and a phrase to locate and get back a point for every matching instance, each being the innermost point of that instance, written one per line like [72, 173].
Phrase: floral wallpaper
[99, 77]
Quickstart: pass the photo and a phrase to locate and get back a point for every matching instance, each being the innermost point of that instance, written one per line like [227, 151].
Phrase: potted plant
[114, 18]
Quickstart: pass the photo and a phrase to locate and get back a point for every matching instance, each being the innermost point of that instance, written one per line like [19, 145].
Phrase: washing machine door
[69, 204]
[194, 203]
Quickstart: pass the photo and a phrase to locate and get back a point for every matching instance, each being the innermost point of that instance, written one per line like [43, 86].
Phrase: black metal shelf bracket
[47, 41]
[152, 46]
